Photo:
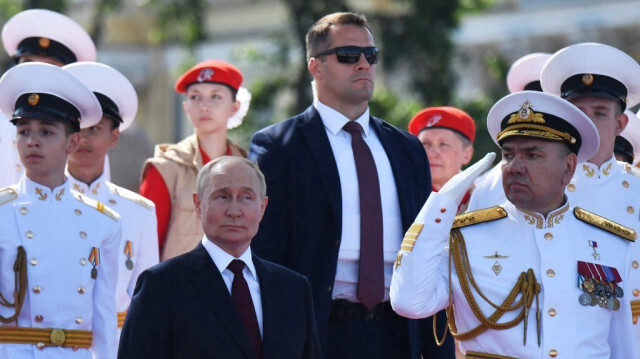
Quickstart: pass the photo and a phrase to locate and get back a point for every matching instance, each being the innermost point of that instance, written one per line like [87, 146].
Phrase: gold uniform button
[83, 261]
[630, 210]
[29, 234]
[82, 290]
[39, 318]
[438, 220]
[112, 201]
[625, 184]
[636, 292]
[571, 187]
[40, 346]
[548, 236]
[552, 312]
[83, 235]
[442, 210]
[78, 212]
[553, 353]
[37, 289]
[33, 261]
[635, 320]
[634, 264]
[23, 210]
[551, 273]
[79, 320]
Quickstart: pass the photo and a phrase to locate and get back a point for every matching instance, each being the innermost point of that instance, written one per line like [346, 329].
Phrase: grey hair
[208, 169]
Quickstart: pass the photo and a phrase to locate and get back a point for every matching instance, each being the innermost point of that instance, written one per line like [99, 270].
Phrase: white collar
[334, 120]
[222, 258]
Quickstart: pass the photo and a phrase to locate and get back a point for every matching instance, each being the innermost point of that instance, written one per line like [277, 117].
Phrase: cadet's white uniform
[487, 190]
[139, 227]
[11, 168]
[614, 190]
[551, 247]
[58, 230]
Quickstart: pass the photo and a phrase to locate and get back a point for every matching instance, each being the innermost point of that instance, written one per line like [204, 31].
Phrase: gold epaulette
[479, 216]
[132, 196]
[635, 309]
[7, 195]
[606, 224]
[99, 206]
[632, 169]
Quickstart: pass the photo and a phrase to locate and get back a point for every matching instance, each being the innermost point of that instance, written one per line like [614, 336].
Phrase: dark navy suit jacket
[181, 308]
[302, 225]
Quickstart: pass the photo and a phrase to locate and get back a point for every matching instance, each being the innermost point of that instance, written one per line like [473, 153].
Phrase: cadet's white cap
[47, 33]
[631, 134]
[544, 116]
[524, 74]
[116, 94]
[44, 91]
[592, 69]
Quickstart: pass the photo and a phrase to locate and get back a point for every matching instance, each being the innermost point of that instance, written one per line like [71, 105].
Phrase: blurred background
[434, 52]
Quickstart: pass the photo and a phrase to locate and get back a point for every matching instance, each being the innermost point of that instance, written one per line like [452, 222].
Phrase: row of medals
[602, 293]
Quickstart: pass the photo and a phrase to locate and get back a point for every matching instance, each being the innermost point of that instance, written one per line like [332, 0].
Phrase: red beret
[444, 117]
[215, 71]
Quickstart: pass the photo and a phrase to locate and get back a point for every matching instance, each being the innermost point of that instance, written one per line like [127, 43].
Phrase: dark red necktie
[370, 271]
[242, 300]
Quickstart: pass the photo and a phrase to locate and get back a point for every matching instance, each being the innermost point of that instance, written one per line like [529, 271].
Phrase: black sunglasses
[351, 54]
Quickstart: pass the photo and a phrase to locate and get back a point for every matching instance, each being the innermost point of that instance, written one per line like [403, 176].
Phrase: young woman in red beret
[214, 102]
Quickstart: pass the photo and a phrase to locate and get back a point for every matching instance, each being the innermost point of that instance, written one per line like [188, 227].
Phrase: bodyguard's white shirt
[346, 283]
[222, 260]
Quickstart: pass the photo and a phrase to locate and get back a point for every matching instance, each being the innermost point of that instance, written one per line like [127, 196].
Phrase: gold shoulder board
[606, 224]
[7, 195]
[99, 206]
[632, 169]
[133, 197]
[479, 216]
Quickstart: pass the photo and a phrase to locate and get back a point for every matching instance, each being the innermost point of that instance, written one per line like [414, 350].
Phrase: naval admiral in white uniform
[566, 296]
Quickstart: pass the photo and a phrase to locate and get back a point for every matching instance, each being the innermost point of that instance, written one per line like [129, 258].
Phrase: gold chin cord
[526, 284]
[20, 269]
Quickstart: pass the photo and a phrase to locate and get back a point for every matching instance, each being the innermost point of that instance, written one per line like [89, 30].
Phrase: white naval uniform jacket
[551, 247]
[614, 191]
[139, 227]
[58, 230]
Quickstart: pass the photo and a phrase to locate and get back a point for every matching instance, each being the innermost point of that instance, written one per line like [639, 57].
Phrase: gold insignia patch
[44, 42]
[587, 79]
[7, 195]
[635, 308]
[606, 224]
[99, 206]
[33, 100]
[480, 216]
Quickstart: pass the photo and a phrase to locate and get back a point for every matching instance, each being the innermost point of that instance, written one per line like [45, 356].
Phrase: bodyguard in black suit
[315, 218]
[183, 308]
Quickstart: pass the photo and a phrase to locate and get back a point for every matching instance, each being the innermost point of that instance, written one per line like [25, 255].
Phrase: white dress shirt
[346, 283]
[222, 260]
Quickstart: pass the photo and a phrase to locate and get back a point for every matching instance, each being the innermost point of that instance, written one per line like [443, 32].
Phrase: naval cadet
[43, 36]
[119, 102]
[523, 75]
[58, 248]
[520, 279]
[603, 81]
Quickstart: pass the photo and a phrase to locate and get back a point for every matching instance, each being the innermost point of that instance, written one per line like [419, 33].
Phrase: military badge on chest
[497, 268]
[599, 284]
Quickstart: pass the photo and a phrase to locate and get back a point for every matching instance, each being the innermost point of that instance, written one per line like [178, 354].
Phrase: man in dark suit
[340, 204]
[219, 300]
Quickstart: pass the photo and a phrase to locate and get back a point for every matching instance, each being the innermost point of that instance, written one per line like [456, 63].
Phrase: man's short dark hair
[318, 36]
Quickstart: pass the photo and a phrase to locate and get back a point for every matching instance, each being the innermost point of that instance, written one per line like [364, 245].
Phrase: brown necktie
[242, 300]
[370, 271]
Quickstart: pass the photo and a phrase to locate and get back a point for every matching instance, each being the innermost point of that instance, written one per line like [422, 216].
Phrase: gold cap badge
[33, 99]
[44, 42]
[525, 114]
[587, 79]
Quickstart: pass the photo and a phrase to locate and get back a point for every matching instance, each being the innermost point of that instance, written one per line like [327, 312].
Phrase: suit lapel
[272, 293]
[209, 283]
[315, 134]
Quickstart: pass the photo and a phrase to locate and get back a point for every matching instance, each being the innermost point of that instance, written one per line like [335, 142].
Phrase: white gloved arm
[419, 284]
